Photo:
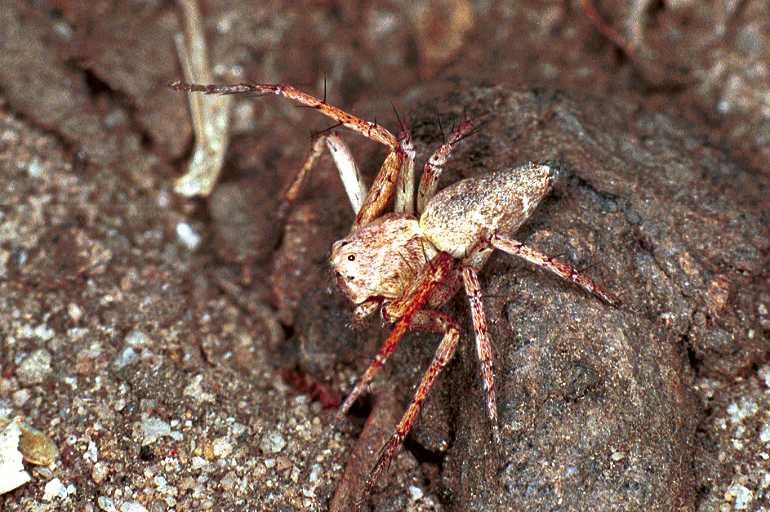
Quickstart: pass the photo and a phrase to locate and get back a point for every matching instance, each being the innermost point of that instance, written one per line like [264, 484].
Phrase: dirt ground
[188, 354]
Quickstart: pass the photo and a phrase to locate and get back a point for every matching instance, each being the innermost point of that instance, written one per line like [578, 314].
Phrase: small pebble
[44, 333]
[99, 472]
[153, 429]
[744, 409]
[106, 504]
[741, 495]
[20, 397]
[764, 434]
[54, 489]
[126, 358]
[74, 312]
[92, 452]
[132, 506]
[273, 442]
[198, 462]
[35, 368]
[12, 473]
[137, 338]
[188, 236]
[415, 493]
[222, 447]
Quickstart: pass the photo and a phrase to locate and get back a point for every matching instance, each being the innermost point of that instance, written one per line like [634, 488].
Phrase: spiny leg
[483, 345]
[405, 192]
[368, 129]
[560, 268]
[346, 166]
[432, 321]
[384, 185]
[435, 273]
[435, 164]
[398, 157]
[294, 189]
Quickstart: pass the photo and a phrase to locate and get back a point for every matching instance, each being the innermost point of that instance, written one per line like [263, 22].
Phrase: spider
[410, 262]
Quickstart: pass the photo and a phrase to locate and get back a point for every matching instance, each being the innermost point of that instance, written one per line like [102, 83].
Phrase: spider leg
[439, 268]
[368, 129]
[432, 321]
[346, 166]
[400, 156]
[405, 191]
[435, 164]
[483, 345]
[400, 159]
[560, 268]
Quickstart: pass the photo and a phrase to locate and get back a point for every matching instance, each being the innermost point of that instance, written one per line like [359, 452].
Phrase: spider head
[381, 259]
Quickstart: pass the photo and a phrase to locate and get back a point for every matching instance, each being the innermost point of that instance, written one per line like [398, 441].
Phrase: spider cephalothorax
[411, 261]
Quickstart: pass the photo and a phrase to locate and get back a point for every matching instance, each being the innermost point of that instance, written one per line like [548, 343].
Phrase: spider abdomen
[473, 209]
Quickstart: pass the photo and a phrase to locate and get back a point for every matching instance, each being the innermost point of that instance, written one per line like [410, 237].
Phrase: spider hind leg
[431, 321]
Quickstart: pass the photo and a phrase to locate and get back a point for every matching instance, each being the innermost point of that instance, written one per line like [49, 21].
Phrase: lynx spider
[412, 261]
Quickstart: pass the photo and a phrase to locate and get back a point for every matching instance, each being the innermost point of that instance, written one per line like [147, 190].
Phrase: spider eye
[352, 257]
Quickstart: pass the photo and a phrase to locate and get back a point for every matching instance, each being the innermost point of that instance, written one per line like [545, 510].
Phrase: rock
[272, 442]
[99, 472]
[132, 506]
[12, 473]
[54, 489]
[657, 218]
[106, 504]
[245, 228]
[222, 447]
[153, 429]
[35, 368]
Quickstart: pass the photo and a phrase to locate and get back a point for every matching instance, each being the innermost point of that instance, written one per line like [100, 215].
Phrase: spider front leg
[398, 160]
[431, 321]
[560, 268]
[368, 129]
[436, 272]
[400, 156]
[346, 166]
[435, 164]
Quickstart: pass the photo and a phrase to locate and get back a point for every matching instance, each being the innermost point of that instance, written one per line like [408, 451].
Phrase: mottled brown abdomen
[475, 208]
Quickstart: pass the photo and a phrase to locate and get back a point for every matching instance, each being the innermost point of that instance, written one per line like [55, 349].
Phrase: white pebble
[741, 495]
[137, 338]
[764, 434]
[35, 368]
[74, 312]
[198, 462]
[106, 504]
[126, 358]
[92, 452]
[273, 442]
[153, 429]
[188, 236]
[745, 409]
[222, 447]
[12, 473]
[20, 397]
[99, 472]
[132, 506]
[415, 493]
[54, 489]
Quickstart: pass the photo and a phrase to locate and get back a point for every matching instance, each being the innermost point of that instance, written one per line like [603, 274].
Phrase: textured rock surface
[596, 404]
